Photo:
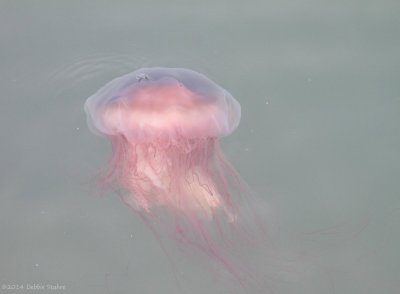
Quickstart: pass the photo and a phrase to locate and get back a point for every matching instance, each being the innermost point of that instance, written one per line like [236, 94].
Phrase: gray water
[318, 82]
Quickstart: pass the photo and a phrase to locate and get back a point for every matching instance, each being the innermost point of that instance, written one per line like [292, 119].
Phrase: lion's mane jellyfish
[165, 125]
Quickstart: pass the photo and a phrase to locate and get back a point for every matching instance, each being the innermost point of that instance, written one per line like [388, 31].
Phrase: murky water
[319, 138]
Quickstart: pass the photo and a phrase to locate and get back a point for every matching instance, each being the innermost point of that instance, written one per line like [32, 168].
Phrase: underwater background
[319, 139]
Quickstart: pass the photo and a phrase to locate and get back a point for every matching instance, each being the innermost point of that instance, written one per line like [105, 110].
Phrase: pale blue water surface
[318, 82]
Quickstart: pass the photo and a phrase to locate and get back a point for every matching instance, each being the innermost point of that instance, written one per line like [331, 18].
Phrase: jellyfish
[164, 125]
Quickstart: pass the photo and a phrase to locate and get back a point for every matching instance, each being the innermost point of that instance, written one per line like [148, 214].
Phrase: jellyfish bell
[154, 103]
[164, 124]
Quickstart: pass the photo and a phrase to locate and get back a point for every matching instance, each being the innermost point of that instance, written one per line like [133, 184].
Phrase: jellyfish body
[165, 125]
